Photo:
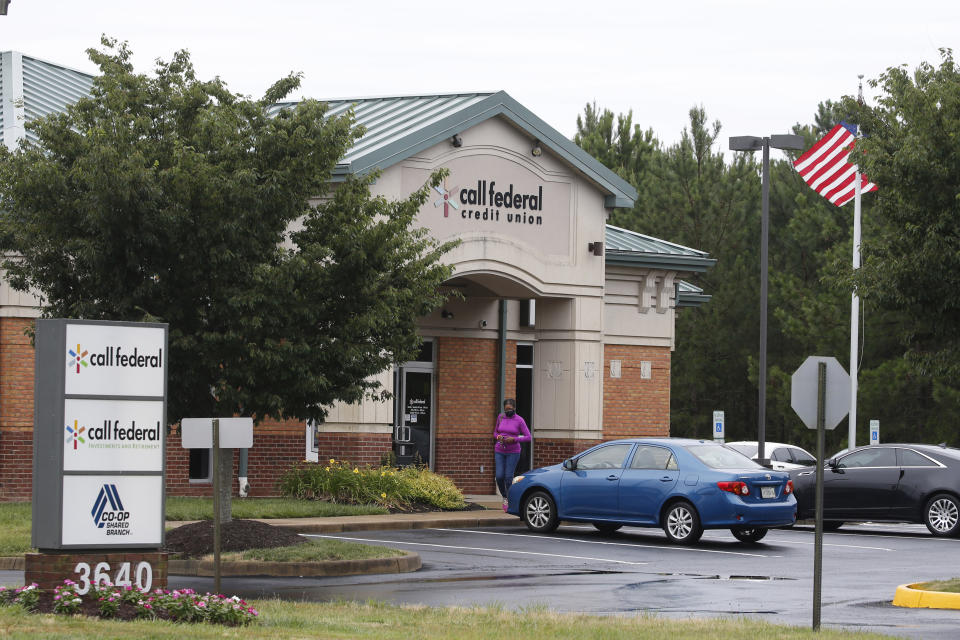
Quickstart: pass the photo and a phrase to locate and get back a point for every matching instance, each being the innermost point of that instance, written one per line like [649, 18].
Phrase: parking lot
[636, 571]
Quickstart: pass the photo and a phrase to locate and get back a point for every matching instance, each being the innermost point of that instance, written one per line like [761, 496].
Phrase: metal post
[854, 316]
[216, 505]
[818, 530]
[764, 252]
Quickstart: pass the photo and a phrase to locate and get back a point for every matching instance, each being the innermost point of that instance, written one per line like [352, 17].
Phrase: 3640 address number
[143, 576]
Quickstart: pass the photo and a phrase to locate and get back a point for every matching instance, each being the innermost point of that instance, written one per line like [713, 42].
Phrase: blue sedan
[683, 486]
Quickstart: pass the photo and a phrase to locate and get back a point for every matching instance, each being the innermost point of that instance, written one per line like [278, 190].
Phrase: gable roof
[399, 127]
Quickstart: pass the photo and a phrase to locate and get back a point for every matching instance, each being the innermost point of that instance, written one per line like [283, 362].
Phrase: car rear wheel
[832, 525]
[748, 535]
[681, 523]
[942, 515]
[607, 527]
[540, 512]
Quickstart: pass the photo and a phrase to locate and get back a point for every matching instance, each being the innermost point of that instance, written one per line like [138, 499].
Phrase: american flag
[825, 168]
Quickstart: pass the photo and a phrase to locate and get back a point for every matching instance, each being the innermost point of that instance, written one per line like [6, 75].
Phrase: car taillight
[739, 488]
[789, 488]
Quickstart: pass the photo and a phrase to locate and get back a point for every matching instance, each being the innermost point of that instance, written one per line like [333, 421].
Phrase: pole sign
[99, 430]
[718, 426]
[874, 432]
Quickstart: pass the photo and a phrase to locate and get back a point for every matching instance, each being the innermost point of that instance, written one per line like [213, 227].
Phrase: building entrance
[413, 410]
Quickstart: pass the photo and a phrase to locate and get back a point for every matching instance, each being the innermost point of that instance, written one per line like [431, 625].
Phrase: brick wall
[356, 448]
[466, 398]
[16, 409]
[49, 570]
[633, 406]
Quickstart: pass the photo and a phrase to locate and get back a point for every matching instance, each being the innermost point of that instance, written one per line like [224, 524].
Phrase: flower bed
[127, 603]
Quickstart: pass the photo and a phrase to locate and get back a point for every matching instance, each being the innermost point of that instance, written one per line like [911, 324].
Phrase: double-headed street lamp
[753, 143]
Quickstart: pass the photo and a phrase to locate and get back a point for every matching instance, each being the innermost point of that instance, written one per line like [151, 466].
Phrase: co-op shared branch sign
[99, 431]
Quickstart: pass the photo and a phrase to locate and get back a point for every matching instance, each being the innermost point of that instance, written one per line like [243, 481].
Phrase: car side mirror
[833, 464]
[570, 464]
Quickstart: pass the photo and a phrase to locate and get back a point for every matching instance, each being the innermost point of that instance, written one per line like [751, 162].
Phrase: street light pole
[753, 143]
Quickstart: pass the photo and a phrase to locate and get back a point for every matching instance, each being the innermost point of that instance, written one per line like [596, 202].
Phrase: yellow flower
[383, 473]
[326, 468]
[332, 461]
[383, 495]
[355, 470]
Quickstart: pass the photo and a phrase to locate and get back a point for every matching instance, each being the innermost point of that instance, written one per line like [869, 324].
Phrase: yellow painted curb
[909, 595]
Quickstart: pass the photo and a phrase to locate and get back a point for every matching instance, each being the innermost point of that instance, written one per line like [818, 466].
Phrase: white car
[783, 457]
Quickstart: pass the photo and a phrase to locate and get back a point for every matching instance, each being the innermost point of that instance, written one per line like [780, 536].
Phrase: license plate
[768, 492]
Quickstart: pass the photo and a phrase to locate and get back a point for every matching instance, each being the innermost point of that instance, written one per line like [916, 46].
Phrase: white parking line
[780, 540]
[616, 544]
[447, 546]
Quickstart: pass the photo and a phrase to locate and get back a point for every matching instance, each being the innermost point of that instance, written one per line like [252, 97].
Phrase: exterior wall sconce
[456, 140]
[596, 248]
[446, 315]
[536, 150]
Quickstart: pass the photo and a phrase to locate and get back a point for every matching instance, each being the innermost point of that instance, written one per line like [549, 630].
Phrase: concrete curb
[910, 595]
[401, 564]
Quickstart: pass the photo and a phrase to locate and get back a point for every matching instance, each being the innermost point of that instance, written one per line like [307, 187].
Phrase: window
[609, 457]
[885, 457]
[719, 457]
[802, 457]
[780, 455]
[745, 449]
[200, 465]
[648, 457]
[910, 458]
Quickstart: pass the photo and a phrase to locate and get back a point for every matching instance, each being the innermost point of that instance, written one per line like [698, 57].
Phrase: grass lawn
[388, 622]
[253, 508]
[313, 551]
[950, 586]
[15, 516]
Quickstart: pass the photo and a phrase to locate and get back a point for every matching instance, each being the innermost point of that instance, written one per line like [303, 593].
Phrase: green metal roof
[32, 88]
[630, 248]
[399, 127]
[689, 295]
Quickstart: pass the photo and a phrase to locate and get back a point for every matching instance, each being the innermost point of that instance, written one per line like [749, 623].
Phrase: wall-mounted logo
[108, 512]
[445, 199]
[75, 433]
[77, 358]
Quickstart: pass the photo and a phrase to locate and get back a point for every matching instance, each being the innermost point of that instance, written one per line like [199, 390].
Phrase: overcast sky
[757, 66]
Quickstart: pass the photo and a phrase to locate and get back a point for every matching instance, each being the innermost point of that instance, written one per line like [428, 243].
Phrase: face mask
[508, 412]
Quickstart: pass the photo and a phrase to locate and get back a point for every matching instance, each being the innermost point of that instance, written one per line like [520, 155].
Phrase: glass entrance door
[412, 435]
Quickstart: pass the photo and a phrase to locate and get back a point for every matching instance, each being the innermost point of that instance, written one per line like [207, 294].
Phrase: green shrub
[339, 481]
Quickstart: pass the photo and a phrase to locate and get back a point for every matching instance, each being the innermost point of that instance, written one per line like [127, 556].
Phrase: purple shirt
[514, 427]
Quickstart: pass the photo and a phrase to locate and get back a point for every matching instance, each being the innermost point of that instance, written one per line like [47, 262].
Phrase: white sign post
[874, 432]
[719, 430]
[217, 434]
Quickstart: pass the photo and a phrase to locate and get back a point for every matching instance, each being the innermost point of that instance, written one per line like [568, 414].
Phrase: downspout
[502, 373]
[242, 474]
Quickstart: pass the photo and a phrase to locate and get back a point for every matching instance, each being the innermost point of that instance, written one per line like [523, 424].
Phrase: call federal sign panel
[99, 431]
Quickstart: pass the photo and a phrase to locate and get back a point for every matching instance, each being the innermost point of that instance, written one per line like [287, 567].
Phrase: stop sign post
[819, 393]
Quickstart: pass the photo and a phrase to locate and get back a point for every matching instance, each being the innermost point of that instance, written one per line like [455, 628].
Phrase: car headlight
[517, 479]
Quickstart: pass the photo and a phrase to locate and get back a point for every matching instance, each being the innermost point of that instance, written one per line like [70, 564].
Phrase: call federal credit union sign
[99, 429]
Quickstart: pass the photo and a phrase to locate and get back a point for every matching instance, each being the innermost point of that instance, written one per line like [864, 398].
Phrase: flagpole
[854, 314]
[854, 298]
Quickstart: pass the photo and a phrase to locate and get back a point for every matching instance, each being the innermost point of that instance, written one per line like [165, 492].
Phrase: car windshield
[717, 457]
[748, 450]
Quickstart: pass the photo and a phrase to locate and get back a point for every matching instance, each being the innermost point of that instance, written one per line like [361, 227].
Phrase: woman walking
[510, 431]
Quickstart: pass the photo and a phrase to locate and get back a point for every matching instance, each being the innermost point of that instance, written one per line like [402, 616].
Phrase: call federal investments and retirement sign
[99, 429]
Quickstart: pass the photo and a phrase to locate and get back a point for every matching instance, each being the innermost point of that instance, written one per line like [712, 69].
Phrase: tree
[170, 199]
[912, 263]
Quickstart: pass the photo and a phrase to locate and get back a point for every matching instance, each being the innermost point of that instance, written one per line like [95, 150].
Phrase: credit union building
[552, 306]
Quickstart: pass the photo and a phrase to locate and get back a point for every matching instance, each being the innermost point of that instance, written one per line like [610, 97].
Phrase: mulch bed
[196, 539]
[422, 507]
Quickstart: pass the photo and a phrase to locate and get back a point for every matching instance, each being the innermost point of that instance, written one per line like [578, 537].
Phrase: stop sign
[803, 392]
